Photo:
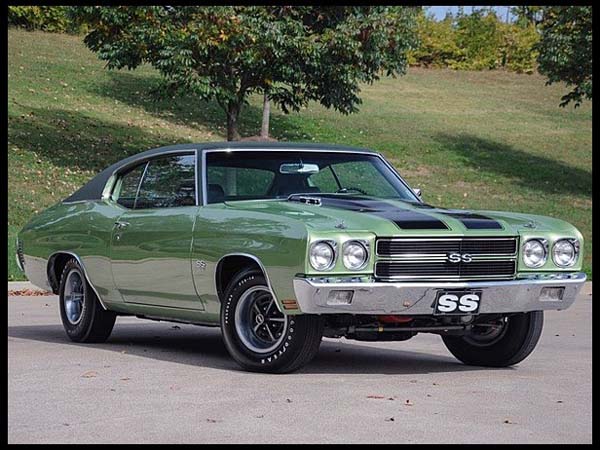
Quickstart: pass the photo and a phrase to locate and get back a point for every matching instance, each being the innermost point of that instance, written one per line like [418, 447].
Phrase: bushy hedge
[53, 19]
[474, 42]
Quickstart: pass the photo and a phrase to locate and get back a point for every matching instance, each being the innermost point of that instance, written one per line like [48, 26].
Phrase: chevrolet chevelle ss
[282, 244]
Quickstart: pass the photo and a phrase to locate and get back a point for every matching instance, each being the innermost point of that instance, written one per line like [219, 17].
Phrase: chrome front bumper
[412, 298]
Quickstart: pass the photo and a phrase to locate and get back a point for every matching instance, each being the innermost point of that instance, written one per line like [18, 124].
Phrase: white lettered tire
[258, 336]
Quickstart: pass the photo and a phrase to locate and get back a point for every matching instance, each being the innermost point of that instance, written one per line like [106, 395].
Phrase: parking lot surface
[159, 382]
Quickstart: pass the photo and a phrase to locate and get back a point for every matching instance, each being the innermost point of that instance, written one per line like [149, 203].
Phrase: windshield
[252, 175]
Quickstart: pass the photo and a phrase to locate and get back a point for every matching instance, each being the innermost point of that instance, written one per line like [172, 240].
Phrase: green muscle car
[282, 244]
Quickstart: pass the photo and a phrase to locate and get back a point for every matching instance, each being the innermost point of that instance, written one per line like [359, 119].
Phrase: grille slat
[493, 258]
[474, 246]
[388, 269]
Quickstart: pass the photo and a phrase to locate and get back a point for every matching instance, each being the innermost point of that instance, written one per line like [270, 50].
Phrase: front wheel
[261, 338]
[506, 342]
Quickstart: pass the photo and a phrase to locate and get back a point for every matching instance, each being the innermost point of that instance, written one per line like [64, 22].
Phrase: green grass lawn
[486, 140]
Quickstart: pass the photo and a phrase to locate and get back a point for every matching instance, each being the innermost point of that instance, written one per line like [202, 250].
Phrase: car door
[152, 239]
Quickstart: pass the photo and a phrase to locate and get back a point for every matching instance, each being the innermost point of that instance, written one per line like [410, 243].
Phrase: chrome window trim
[311, 150]
[115, 175]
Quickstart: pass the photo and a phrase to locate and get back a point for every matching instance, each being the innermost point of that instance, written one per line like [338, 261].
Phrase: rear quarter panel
[83, 228]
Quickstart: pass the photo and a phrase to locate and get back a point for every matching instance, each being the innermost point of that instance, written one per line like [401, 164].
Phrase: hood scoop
[306, 199]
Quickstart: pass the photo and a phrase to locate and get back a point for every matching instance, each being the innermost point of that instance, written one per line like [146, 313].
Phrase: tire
[517, 339]
[84, 320]
[280, 343]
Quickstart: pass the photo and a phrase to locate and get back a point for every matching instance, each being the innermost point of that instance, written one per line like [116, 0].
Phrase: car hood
[394, 217]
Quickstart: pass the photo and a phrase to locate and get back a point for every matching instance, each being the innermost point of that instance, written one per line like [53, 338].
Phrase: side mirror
[418, 192]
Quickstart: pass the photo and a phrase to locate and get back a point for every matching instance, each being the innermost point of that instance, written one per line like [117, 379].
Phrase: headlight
[355, 255]
[534, 253]
[321, 255]
[564, 252]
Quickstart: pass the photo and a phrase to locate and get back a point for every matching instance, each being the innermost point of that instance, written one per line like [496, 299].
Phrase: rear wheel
[503, 343]
[259, 336]
[83, 317]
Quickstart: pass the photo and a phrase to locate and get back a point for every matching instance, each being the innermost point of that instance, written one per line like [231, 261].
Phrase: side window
[238, 183]
[168, 182]
[127, 186]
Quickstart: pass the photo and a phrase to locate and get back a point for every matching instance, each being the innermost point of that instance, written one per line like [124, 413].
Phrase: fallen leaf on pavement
[28, 293]
[125, 379]
[89, 374]
[389, 419]
[376, 396]
[408, 403]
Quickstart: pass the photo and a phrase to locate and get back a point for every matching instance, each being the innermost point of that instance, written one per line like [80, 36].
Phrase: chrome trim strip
[416, 257]
[137, 191]
[21, 268]
[260, 265]
[196, 182]
[74, 255]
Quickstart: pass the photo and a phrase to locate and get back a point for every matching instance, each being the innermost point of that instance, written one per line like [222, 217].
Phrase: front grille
[428, 258]
[442, 246]
[442, 269]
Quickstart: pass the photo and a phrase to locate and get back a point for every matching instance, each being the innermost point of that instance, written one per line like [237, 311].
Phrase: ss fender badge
[200, 265]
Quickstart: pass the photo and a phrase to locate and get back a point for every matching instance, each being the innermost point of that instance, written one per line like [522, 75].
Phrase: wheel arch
[56, 265]
[231, 264]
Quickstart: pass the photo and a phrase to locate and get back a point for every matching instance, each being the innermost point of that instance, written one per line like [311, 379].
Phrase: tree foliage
[297, 54]
[475, 41]
[53, 19]
[565, 50]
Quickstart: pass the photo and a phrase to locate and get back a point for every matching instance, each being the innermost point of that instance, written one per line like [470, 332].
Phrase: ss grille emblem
[458, 257]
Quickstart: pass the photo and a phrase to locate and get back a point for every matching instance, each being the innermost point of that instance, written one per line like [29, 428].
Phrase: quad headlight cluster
[564, 252]
[323, 254]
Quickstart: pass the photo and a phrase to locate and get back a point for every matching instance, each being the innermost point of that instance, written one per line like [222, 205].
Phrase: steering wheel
[350, 188]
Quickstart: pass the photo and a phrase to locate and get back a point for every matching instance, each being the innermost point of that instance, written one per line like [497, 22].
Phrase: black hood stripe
[471, 220]
[406, 219]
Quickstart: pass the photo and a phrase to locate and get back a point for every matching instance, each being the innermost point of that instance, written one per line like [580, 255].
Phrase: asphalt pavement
[159, 382]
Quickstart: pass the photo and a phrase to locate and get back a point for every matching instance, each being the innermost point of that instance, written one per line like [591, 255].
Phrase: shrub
[54, 19]
[475, 42]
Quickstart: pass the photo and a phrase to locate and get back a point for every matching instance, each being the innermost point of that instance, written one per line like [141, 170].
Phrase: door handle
[120, 224]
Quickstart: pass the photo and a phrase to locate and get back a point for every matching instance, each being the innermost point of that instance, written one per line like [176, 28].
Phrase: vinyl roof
[93, 189]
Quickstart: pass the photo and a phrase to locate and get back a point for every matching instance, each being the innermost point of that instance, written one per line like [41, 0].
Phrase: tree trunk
[264, 130]
[233, 114]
